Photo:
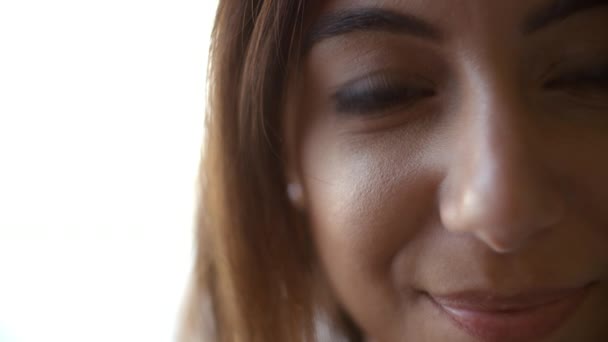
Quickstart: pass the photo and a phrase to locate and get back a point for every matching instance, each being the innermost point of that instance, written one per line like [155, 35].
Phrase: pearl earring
[294, 192]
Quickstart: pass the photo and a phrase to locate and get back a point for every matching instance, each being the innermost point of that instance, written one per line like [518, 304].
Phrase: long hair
[253, 274]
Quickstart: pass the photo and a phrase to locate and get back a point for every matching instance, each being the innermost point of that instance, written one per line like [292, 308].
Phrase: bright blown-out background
[101, 116]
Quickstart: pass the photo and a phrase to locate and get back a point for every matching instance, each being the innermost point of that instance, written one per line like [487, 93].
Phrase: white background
[101, 120]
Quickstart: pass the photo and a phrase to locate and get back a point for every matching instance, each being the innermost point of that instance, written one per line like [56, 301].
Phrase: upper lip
[489, 301]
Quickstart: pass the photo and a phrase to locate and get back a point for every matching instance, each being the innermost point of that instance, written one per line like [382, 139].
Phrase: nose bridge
[495, 186]
[496, 135]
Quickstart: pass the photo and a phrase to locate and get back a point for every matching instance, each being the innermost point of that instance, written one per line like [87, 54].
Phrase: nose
[497, 186]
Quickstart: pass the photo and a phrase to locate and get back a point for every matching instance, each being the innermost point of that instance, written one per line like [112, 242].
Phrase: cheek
[356, 193]
[589, 186]
[350, 197]
[368, 200]
[579, 156]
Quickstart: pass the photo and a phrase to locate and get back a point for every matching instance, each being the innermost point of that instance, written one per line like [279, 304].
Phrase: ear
[291, 131]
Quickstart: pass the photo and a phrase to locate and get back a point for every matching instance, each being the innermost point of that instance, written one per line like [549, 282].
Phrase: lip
[527, 316]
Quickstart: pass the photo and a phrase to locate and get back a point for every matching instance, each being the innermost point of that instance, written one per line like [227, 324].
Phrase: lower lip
[526, 324]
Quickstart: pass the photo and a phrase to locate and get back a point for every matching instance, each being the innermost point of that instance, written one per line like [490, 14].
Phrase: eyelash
[377, 94]
[591, 78]
[380, 93]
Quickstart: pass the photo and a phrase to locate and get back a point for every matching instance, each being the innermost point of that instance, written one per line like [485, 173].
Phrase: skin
[496, 182]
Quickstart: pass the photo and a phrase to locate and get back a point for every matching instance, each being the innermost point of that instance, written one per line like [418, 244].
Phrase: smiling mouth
[529, 316]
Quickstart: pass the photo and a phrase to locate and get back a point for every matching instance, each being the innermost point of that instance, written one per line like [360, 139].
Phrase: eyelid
[388, 86]
[391, 76]
[596, 73]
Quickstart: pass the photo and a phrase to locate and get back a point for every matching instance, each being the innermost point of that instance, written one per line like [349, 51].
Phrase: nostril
[498, 187]
[502, 243]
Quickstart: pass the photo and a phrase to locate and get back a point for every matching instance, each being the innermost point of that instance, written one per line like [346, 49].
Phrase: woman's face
[453, 157]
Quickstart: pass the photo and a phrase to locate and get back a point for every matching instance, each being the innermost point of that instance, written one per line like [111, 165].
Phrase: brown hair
[252, 278]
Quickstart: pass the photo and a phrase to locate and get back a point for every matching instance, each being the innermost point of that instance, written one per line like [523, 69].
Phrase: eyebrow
[368, 19]
[379, 19]
[558, 11]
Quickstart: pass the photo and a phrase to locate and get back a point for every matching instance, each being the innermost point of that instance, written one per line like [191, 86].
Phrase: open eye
[377, 93]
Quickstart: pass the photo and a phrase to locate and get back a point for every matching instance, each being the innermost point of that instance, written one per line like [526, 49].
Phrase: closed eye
[595, 77]
[376, 94]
